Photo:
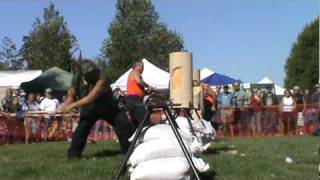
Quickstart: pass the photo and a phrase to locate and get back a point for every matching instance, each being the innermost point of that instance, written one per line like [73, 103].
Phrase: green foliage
[302, 67]
[10, 58]
[49, 43]
[135, 33]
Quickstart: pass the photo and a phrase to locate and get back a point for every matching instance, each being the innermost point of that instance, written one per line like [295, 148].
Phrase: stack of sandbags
[204, 131]
[158, 155]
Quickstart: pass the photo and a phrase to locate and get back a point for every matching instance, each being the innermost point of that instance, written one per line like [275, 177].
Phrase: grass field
[257, 159]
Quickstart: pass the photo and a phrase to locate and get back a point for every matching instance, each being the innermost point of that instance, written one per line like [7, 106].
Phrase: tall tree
[135, 33]
[49, 43]
[10, 58]
[302, 66]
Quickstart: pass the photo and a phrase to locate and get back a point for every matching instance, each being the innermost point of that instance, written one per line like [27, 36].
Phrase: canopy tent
[278, 89]
[205, 72]
[54, 78]
[15, 78]
[218, 79]
[152, 75]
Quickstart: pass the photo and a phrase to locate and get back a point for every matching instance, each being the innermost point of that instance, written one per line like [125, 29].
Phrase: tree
[135, 33]
[10, 58]
[49, 43]
[302, 66]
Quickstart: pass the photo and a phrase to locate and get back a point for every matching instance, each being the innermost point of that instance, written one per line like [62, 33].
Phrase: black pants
[137, 109]
[113, 116]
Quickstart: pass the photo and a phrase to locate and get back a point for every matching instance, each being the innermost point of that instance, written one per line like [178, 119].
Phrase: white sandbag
[183, 124]
[196, 146]
[162, 169]
[156, 149]
[200, 164]
[164, 131]
[208, 127]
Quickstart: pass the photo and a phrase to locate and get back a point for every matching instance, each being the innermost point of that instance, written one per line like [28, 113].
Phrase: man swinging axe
[91, 92]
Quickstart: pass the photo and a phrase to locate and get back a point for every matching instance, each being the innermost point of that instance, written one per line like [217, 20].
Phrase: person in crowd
[15, 91]
[91, 92]
[14, 107]
[270, 102]
[209, 103]
[316, 104]
[54, 131]
[301, 108]
[31, 124]
[22, 97]
[100, 130]
[216, 118]
[135, 94]
[39, 98]
[287, 109]
[5, 128]
[241, 100]
[120, 97]
[226, 107]
[7, 100]
[50, 105]
[309, 115]
[256, 108]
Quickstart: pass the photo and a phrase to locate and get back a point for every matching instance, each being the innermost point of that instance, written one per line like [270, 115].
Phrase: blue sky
[244, 39]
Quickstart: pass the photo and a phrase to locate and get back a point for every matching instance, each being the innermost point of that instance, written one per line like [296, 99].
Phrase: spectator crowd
[238, 112]
[258, 112]
[33, 118]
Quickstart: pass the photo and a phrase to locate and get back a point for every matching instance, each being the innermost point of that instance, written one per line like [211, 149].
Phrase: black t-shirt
[298, 98]
[82, 88]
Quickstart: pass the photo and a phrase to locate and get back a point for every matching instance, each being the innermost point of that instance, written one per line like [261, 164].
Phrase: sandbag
[200, 164]
[156, 149]
[208, 127]
[162, 131]
[162, 169]
[183, 125]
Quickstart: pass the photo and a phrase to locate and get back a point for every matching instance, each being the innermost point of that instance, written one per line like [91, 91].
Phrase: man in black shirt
[91, 93]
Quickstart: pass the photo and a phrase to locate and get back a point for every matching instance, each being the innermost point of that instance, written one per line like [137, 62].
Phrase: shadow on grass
[218, 150]
[106, 153]
[208, 176]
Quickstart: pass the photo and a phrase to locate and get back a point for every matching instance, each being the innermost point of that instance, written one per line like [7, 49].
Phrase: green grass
[257, 159]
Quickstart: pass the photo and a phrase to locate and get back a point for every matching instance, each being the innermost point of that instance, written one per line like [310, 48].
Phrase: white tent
[205, 72]
[266, 80]
[152, 75]
[15, 78]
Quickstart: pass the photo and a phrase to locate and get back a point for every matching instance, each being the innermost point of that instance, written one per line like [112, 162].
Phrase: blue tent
[218, 79]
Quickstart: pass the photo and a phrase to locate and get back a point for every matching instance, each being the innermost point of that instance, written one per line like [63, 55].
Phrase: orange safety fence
[266, 120]
[41, 127]
[274, 120]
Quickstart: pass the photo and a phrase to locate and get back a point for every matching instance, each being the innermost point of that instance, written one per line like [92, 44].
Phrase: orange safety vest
[133, 88]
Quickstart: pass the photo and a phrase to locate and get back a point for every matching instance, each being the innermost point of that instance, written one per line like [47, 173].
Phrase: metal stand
[173, 124]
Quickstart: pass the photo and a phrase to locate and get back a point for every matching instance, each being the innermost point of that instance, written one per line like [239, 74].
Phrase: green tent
[54, 78]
